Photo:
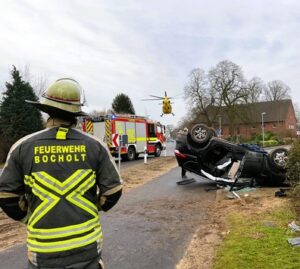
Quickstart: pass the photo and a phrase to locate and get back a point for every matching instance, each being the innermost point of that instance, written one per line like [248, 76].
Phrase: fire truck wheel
[157, 151]
[131, 154]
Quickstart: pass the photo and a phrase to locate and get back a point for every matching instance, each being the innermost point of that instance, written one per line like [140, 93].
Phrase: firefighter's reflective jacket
[62, 173]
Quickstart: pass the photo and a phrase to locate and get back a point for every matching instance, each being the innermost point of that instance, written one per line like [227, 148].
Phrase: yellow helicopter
[166, 103]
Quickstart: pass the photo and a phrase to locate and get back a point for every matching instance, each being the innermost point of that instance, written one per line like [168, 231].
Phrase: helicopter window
[151, 130]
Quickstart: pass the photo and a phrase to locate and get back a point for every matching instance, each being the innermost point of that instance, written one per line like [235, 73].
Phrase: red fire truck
[138, 133]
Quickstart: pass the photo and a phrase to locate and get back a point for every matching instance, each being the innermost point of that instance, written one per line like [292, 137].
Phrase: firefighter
[56, 180]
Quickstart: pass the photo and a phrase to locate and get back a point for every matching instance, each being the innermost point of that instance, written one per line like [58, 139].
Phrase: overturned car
[199, 151]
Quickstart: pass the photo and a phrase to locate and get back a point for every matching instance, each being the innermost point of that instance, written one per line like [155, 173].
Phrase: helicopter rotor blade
[150, 99]
[156, 96]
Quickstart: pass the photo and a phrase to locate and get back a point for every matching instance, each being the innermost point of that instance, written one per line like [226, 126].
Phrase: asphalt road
[149, 228]
[170, 147]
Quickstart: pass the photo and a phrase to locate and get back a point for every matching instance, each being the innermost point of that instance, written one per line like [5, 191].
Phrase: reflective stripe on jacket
[62, 172]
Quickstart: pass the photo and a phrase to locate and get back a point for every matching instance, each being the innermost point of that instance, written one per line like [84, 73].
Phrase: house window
[253, 127]
[291, 126]
[274, 125]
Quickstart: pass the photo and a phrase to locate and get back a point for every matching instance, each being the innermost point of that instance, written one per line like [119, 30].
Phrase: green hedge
[293, 164]
[270, 143]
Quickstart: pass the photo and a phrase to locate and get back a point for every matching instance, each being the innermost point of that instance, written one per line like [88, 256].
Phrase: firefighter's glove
[14, 207]
[106, 202]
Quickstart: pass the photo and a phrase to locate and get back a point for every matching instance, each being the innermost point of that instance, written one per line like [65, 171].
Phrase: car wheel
[157, 151]
[131, 154]
[201, 133]
[278, 158]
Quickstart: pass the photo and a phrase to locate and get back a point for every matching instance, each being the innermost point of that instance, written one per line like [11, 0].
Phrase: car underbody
[199, 151]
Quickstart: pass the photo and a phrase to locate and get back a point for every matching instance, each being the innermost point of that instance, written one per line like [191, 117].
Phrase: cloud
[147, 47]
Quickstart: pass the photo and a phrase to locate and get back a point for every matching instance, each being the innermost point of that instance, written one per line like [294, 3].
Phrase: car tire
[278, 158]
[157, 151]
[131, 154]
[201, 133]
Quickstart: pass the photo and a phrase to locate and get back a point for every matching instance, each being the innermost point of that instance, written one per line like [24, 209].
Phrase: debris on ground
[186, 181]
[281, 193]
[294, 241]
[294, 227]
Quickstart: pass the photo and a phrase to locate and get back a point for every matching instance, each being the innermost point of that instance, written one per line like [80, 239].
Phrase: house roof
[275, 111]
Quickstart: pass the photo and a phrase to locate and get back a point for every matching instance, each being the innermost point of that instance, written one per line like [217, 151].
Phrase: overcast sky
[146, 47]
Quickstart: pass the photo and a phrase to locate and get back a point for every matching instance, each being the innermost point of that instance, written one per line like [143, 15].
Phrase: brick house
[278, 117]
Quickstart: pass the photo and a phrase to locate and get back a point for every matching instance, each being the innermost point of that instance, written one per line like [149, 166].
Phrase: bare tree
[255, 87]
[39, 82]
[297, 111]
[170, 131]
[200, 96]
[97, 113]
[277, 90]
[227, 79]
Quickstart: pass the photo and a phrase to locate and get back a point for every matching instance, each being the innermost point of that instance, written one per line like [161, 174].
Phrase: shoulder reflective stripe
[19, 142]
[64, 245]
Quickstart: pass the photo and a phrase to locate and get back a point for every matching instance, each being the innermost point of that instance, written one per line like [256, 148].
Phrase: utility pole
[220, 125]
[263, 128]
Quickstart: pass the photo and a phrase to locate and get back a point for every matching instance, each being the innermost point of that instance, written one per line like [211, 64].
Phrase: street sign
[115, 139]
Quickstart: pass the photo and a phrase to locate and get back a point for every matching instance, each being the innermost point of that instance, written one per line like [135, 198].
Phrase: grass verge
[259, 241]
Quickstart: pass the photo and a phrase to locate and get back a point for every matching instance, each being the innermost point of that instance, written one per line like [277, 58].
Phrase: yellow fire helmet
[62, 98]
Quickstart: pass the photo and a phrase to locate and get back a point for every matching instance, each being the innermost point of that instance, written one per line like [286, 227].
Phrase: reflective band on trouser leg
[77, 184]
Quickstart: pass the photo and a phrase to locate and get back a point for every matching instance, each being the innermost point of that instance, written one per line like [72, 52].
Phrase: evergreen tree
[17, 118]
[122, 104]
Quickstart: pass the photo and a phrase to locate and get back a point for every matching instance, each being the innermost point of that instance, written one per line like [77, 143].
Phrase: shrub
[270, 143]
[288, 140]
[293, 165]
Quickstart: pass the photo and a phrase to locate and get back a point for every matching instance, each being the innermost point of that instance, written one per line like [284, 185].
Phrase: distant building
[277, 117]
